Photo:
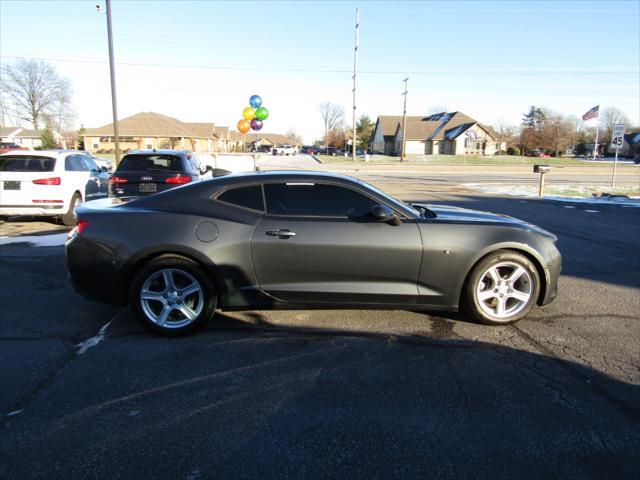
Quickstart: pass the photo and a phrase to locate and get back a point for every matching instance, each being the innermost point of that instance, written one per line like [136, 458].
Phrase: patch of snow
[95, 340]
[55, 240]
[532, 191]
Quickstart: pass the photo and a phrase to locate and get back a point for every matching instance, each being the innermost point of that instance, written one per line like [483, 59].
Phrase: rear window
[26, 163]
[150, 163]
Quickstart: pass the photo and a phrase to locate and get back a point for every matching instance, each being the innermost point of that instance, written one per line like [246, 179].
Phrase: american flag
[592, 113]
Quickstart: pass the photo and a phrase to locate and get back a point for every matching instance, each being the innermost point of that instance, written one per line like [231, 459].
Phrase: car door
[77, 177]
[318, 244]
[98, 182]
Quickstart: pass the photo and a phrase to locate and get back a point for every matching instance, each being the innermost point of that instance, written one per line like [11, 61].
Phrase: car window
[75, 163]
[315, 200]
[26, 163]
[248, 197]
[150, 163]
[91, 165]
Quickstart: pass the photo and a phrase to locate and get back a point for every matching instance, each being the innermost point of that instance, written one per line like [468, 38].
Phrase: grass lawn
[455, 160]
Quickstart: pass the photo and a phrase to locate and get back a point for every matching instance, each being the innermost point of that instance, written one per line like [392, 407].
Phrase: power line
[433, 72]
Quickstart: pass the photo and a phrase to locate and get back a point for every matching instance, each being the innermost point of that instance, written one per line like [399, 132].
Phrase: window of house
[248, 197]
[311, 199]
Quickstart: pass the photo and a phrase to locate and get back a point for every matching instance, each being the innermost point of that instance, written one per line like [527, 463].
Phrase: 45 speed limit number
[618, 135]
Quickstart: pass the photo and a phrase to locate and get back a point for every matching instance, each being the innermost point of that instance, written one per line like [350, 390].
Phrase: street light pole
[404, 118]
[112, 72]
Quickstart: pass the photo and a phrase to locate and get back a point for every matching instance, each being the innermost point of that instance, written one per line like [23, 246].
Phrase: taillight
[179, 179]
[81, 226]
[47, 181]
[118, 180]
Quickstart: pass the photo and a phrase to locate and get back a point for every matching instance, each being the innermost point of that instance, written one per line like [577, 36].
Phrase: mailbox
[541, 169]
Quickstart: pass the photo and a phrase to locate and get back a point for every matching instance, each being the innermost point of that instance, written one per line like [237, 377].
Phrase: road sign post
[616, 142]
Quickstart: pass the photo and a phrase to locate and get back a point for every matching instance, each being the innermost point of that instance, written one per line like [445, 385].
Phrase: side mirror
[382, 213]
[104, 169]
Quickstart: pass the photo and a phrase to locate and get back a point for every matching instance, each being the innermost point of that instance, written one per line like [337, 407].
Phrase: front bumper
[552, 268]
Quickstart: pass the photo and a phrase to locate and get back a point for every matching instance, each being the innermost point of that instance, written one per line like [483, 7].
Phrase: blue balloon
[255, 101]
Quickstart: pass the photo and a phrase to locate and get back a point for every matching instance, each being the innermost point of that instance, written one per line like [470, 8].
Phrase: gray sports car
[304, 240]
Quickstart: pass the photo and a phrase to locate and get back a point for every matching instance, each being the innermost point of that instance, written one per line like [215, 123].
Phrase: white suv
[49, 183]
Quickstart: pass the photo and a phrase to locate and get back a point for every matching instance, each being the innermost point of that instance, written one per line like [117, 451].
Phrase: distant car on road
[49, 183]
[309, 150]
[297, 240]
[103, 163]
[143, 172]
[8, 146]
[285, 149]
[536, 153]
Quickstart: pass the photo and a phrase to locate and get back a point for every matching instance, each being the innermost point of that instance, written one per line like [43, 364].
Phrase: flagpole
[595, 147]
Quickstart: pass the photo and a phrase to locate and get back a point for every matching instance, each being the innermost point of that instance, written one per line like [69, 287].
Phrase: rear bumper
[39, 210]
[93, 272]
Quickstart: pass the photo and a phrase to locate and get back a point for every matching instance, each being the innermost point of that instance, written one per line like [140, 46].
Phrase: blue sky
[200, 61]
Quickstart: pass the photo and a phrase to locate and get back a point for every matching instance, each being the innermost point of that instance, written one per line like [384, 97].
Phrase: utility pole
[404, 118]
[355, 66]
[114, 103]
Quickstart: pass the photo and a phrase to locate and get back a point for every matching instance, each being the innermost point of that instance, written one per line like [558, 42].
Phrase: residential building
[27, 137]
[439, 134]
[258, 139]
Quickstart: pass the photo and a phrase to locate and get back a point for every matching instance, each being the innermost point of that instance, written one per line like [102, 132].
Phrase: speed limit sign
[618, 136]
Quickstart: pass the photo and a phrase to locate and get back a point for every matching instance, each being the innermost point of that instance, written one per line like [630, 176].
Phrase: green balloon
[262, 113]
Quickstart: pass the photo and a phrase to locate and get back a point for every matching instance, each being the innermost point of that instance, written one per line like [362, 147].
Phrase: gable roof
[7, 131]
[438, 126]
[274, 138]
[30, 133]
[153, 124]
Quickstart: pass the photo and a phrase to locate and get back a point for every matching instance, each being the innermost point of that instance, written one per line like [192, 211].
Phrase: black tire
[491, 303]
[177, 323]
[69, 218]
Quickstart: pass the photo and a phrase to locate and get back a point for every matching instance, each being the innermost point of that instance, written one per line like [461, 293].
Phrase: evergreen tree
[48, 140]
[364, 131]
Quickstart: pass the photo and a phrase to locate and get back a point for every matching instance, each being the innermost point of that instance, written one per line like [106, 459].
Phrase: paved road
[364, 394]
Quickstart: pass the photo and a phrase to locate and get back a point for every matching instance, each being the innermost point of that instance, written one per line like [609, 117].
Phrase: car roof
[160, 151]
[42, 153]
[263, 175]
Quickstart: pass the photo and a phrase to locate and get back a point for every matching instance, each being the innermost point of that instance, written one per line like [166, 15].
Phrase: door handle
[281, 233]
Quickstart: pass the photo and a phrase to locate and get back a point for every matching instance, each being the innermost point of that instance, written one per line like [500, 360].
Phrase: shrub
[513, 151]
[100, 150]
[501, 152]
[110, 150]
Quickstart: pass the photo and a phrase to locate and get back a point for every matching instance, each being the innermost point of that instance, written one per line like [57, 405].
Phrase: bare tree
[294, 136]
[609, 117]
[332, 117]
[506, 132]
[36, 94]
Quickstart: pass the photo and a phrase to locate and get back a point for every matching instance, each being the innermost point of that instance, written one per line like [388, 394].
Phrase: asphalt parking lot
[324, 394]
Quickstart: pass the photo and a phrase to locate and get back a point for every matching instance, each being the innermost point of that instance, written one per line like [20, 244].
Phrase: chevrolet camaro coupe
[301, 240]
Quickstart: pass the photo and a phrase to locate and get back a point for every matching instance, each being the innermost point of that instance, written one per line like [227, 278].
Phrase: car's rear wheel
[172, 296]
[502, 288]
[69, 218]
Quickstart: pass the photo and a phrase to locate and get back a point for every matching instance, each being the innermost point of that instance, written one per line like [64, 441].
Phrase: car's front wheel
[502, 288]
[172, 296]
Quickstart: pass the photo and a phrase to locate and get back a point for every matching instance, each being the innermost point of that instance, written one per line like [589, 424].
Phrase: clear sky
[199, 61]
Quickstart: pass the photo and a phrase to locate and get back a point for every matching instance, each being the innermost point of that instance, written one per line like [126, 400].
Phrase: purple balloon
[256, 124]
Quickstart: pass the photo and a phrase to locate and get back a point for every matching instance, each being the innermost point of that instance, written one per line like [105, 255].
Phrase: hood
[445, 213]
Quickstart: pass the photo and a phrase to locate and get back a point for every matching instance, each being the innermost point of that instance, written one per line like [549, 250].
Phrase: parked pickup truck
[284, 150]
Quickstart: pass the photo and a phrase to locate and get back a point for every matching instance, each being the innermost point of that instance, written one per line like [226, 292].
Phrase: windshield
[150, 163]
[26, 163]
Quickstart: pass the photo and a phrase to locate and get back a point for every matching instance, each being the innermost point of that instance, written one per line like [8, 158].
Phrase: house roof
[274, 138]
[6, 131]
[29, 133]
[438, 126]
[389, 124]
[153, 125]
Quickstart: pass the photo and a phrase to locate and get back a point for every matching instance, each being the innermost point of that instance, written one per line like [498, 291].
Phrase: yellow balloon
[249, 113]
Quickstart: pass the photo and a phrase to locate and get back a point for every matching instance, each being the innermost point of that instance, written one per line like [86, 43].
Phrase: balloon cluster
[253, 115]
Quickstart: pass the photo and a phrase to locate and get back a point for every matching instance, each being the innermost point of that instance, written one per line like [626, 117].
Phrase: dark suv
[143, 172]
